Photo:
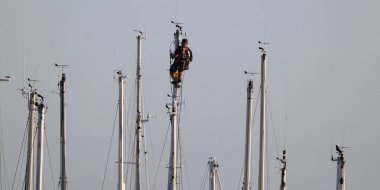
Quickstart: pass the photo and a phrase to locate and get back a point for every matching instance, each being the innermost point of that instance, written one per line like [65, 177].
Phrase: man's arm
[191, 55]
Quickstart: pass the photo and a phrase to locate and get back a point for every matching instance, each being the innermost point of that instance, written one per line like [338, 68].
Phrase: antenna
[120, 74]
[286, 114]
[6, 78]
[62, 66]
[178, 25]
[262, 45]
[141, 34]
[250, 73]
[23, 71]
[33, 82]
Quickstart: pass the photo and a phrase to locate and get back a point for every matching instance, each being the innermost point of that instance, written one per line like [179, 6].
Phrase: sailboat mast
[341, 169]
[40, 146]
[213, 167]
[139, 111]
[31, 131]
[62, 89]
[172, 177]
[121, 126]
[283, 170]
[174, 141]
[248, 140]
[262, 122]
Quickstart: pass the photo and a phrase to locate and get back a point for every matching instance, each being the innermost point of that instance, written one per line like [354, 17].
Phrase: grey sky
[323, 65]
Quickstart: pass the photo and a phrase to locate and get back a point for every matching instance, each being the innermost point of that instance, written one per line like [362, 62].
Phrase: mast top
[120, 74]
[61, 66]
[141, 34]
[250, 73]
[177, 24]
[340, 149]
[262, 46]
[33, 81]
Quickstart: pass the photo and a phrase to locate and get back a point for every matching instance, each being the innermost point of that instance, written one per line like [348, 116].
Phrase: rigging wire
[21, 151]
[131, 159]
[109, 147]
[275, 139]
[162, 152]
[20, 179]
[219, 181]
[203, 184]
[147, 182]
[2, 155]
[51, 168]
[241, 176]
[267, 166]
[143, 135]
[286, 117]
[129, 127]
[131, 120]
[272, 125]
[184, 161]
[331, 146]
[147, 178]
[146, 131]
[254, 115]
[151, 145]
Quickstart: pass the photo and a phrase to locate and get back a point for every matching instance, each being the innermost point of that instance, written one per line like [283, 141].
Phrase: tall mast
[139, 115]
[341, 169]
[248, 138]
[62, 89]
[172, 177]
[30, 156]
[40, 145]
[213, 172]
[262, 121]
[121, 126]
[62, 96]
[283, 170]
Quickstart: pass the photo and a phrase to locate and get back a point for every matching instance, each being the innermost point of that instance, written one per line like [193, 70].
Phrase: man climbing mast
[182, 58]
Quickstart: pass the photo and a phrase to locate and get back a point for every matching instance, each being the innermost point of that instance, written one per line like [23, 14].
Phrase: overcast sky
[323, 73]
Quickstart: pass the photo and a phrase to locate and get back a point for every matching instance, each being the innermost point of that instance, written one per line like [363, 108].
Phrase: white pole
[172, 178]
[139, 112]
[174, 135]
[30, 156]
[341, 170]
[121, 126]
[213, 167]
[248, 138]
[40, 146]
[63, 177]
[262, 123]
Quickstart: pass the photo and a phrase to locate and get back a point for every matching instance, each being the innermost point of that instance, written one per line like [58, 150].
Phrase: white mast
[172, 177]
[30, 156]
[248, 140]
[139, 115]
[283, 170]
[341, 169]
[262, 121]
[213, 172]
[62, 89]
[40, 145]
[120, 160]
